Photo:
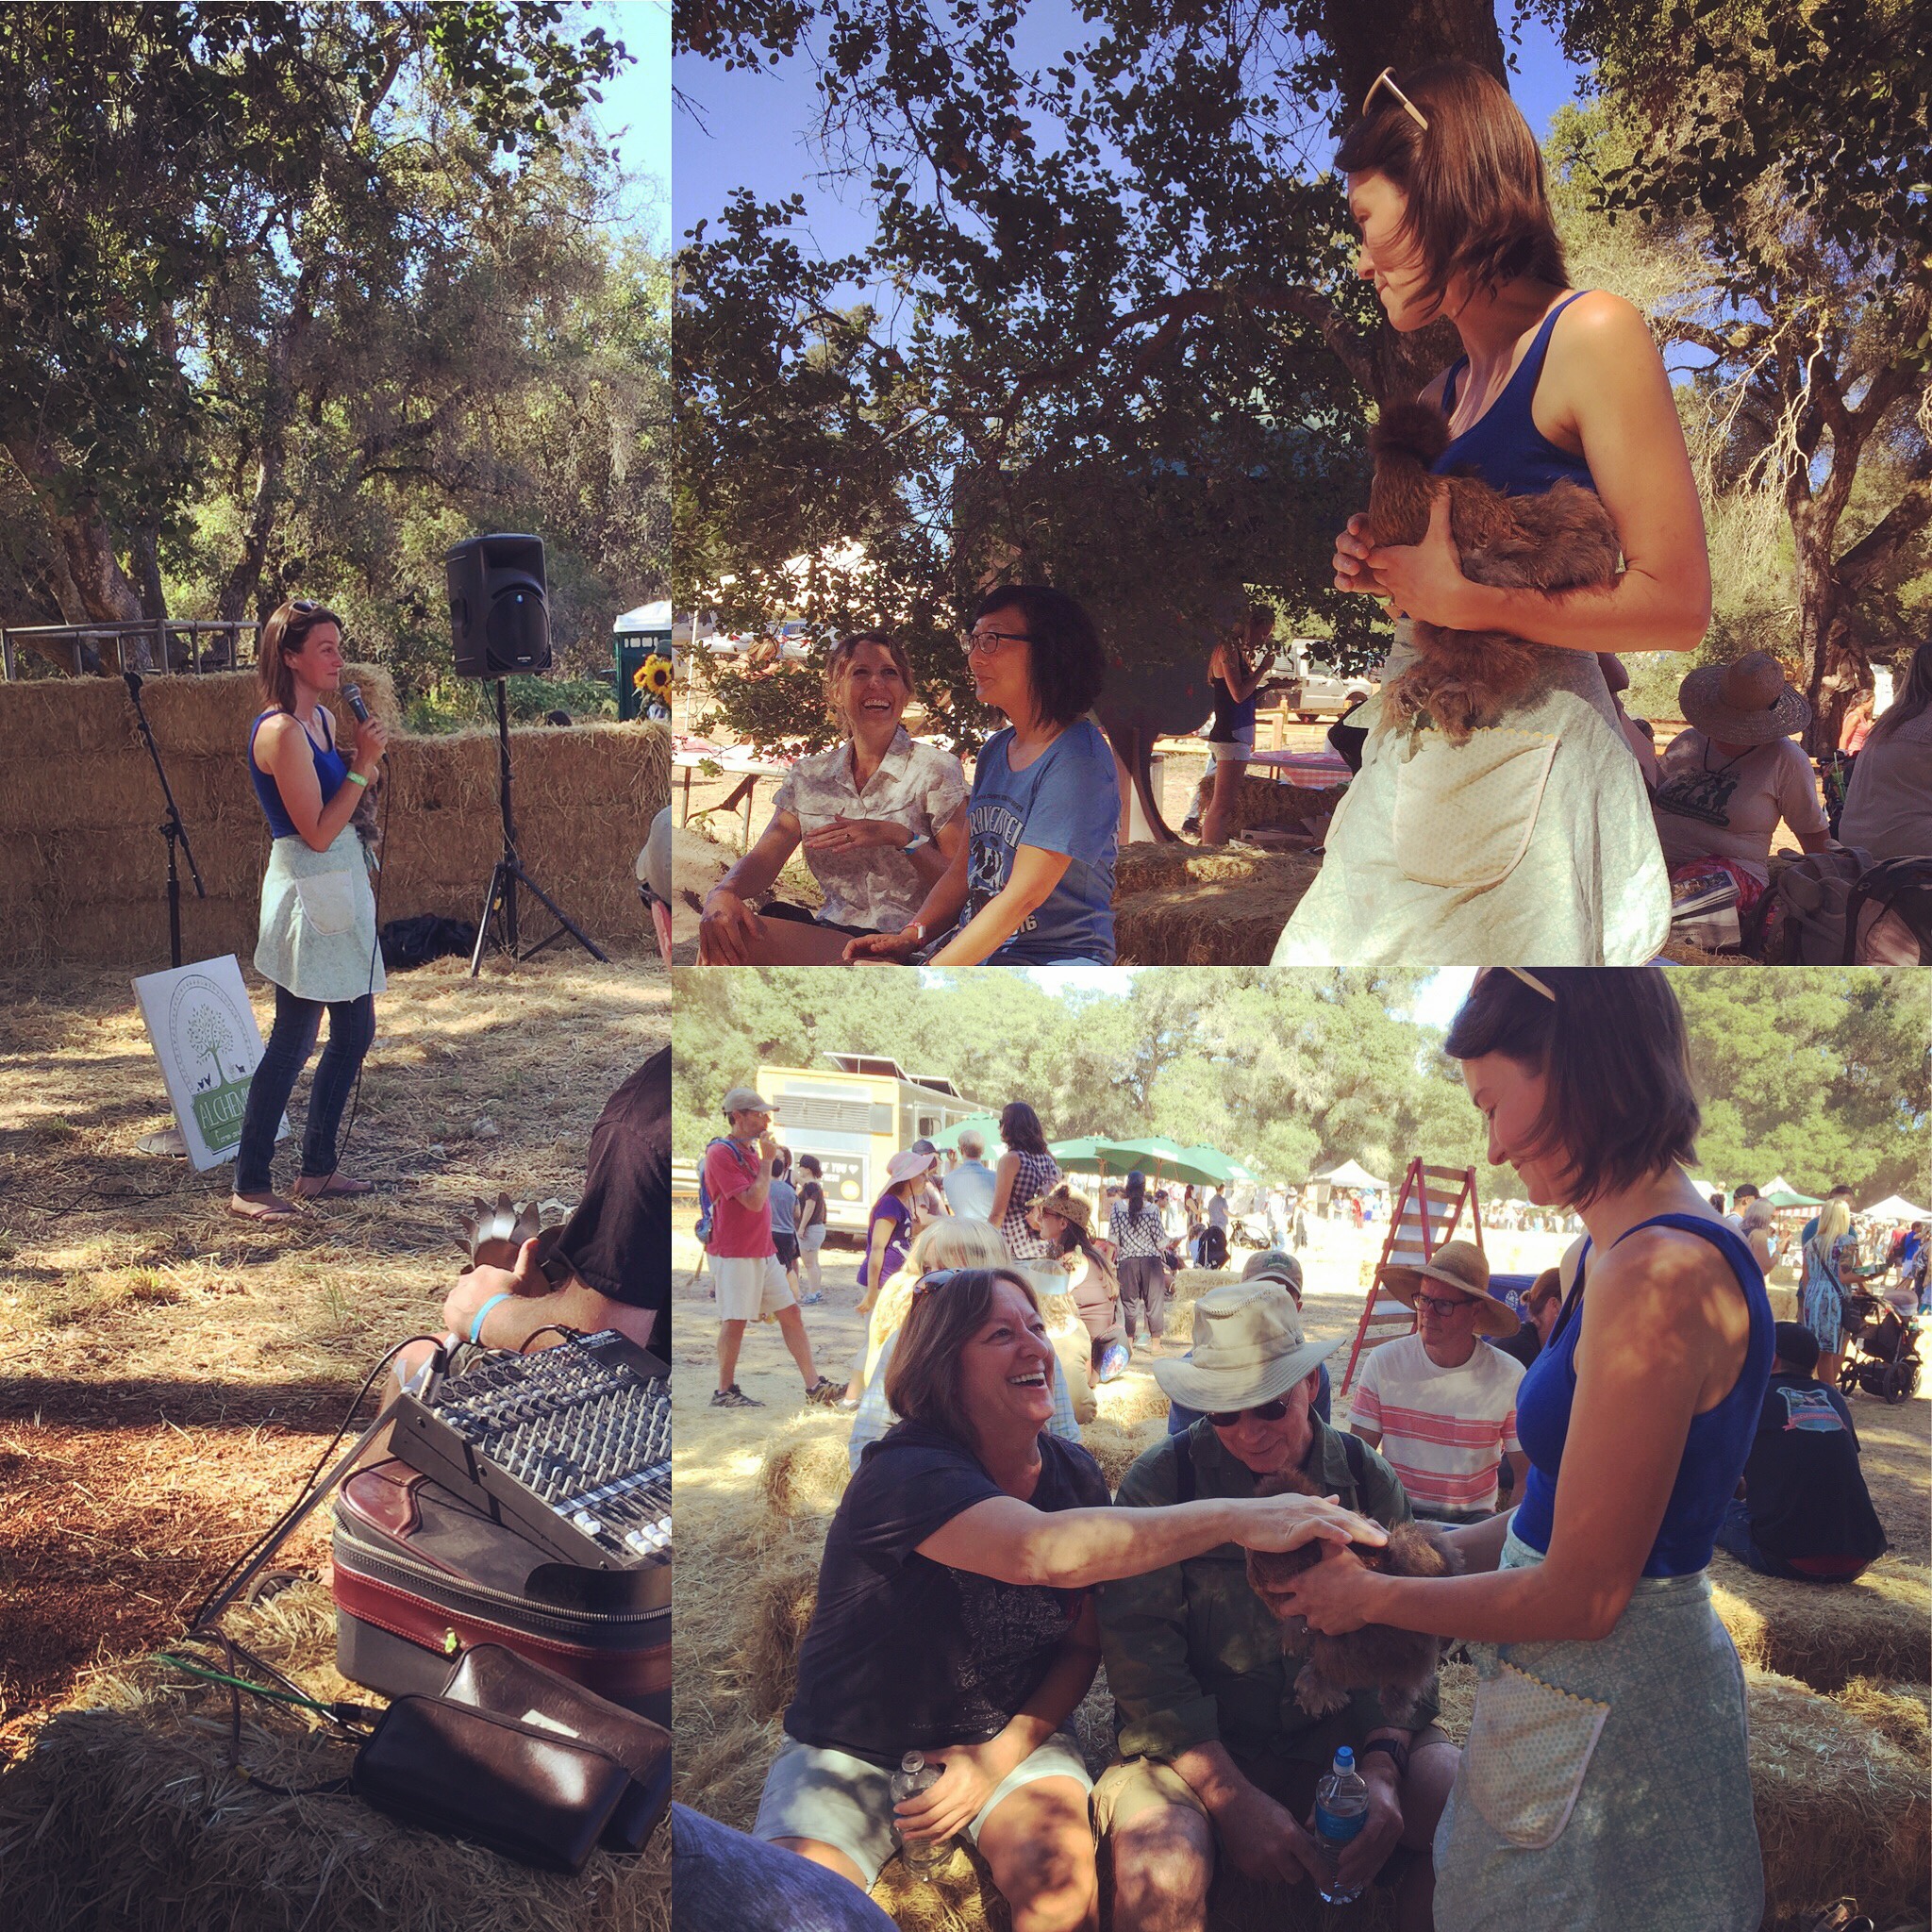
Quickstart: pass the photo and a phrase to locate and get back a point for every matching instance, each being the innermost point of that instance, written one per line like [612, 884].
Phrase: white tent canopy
[1350, 1174]
[1894, 1207]
[644, 618]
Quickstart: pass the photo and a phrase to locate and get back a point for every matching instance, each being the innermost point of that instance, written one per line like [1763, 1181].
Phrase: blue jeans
[1734, 1537]
[724, 1881]
[351, 1027]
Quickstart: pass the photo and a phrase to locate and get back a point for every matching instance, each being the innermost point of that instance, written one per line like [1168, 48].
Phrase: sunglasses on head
[1387, 78]
[1262, 1412]
[938, 1279]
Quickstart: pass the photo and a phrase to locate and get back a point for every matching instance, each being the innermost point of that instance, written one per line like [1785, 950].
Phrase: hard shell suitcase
[422, 1574]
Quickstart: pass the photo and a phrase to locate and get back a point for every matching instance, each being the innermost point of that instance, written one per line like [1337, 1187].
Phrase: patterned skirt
[1605, 1785]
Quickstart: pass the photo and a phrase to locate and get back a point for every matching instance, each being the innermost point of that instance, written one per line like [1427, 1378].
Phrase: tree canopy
[1819, 1074]
[1106, 332]
[291, 298]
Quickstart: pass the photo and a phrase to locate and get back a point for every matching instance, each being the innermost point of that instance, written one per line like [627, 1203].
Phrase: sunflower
[654, 676]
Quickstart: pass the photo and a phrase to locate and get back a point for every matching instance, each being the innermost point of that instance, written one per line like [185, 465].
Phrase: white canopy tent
[1350, 1174]
[1894, 1207]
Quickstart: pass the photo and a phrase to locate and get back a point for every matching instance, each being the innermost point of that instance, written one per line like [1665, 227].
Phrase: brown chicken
[1561, 540]
[1398, 1663]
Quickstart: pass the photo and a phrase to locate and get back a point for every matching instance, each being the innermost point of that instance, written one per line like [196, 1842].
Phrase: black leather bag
[492, 1678]
[533, 1793]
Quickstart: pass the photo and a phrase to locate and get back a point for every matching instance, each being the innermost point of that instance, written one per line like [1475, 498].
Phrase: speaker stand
[500, 901]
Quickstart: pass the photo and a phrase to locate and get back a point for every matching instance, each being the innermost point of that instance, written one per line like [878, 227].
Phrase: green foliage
[1287, 1072]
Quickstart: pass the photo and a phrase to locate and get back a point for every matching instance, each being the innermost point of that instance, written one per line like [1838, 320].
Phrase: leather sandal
[262, 1207]
[332, 1189]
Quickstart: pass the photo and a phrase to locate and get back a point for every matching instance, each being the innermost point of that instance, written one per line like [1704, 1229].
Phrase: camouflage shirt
[1193, 1656]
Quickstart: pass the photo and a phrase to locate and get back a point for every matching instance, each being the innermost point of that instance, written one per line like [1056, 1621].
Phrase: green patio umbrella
[1220, 1167]
[1163, 1160]
[987, 1125]
[1082, 1156]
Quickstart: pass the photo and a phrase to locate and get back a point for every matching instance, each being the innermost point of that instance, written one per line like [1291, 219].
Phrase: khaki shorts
[750, 1286]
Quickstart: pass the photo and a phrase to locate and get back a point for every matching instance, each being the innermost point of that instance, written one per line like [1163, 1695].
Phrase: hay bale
[1266, 802]
[1190, 1284]
[1902, 1711]
[777, 1606]
[1826, 1633]
[721, 1774]
[124, 1812]
[959, 1898]
[1841, 1810]
[1130, 1398]
[806, 1469]
[1115, 1445]
[1171, 910]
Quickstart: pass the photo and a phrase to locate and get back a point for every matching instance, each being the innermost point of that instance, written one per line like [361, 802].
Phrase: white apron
[318, 920]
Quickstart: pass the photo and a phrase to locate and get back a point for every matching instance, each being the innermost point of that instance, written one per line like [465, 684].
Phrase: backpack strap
[1357, 1451]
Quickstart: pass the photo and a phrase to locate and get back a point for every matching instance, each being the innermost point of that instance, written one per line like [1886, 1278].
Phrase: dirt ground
[174, 1373]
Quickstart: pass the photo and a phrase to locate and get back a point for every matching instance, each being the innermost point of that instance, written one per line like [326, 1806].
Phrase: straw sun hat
[1064, 1202]
[1249, 1347]
[1747, 702]
[1457, 1264]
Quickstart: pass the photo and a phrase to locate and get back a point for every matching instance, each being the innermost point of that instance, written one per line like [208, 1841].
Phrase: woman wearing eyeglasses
[956, 1617]
[1605, 1781]
[1534, 838]
[878, 816]
[317, 944]
[1033, 885]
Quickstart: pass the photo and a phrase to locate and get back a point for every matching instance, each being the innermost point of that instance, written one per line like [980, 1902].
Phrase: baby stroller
[1881, 1350]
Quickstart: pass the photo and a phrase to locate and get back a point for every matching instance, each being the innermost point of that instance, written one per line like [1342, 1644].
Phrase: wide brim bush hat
[1060, 1200]
[1748, 701]
[1249, 1347]
[1457, 1264]
[906, 1167]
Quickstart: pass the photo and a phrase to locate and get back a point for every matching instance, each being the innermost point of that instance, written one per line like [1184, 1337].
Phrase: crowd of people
[1582, 1463]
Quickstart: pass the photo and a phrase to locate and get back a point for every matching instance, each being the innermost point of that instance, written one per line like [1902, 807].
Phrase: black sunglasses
[1262, 1412]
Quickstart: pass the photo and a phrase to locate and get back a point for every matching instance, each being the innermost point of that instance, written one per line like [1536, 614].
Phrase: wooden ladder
[1422, 1219]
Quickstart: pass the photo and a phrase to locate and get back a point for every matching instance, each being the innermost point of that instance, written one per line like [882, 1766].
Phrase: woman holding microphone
[316, 943]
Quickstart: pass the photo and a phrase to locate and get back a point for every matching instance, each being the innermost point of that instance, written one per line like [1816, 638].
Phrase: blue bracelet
[477, 1326]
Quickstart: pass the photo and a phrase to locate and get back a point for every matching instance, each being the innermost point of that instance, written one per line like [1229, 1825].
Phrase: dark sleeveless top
[1231, 721]
[1503, 446]
[331, 774]
[1714, 1451]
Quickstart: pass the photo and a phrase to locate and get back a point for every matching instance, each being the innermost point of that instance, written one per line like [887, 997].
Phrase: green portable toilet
[634, 637]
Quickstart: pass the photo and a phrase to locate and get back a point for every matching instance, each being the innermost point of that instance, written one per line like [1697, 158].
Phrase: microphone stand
[172, 828]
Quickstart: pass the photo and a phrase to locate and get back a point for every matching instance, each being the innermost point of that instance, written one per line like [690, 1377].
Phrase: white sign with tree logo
[204, 1036]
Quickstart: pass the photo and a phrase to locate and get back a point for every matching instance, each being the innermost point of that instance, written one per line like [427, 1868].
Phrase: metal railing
[170, 645]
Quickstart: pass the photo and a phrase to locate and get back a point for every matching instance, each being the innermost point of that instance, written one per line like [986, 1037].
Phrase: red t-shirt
[737, 1232]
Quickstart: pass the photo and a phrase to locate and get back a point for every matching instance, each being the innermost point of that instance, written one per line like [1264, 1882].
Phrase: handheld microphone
[353, 694]
[132, 680]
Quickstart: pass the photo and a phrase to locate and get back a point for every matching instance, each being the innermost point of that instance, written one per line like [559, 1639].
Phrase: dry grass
[173, 1373]
[1902, 1711]
[127, 1813]
[1828, 1634]
[1841, 1810]
[78, 800]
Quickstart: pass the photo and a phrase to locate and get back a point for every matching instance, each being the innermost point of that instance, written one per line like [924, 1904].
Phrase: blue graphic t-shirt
[1067, 800]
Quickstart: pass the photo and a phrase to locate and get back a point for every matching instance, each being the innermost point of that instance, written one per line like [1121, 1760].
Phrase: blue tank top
[331, 774]
[1714, 1451]
[1231, 720]
[1503, 446]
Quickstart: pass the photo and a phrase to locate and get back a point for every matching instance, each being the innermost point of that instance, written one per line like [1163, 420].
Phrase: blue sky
[635, 114]
[750, 128]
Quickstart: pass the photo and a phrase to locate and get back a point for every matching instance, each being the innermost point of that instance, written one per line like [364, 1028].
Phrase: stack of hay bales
[1265, 802]
[79, 804]
[1826, 1634]
[1224, 905]
[1131, 1417]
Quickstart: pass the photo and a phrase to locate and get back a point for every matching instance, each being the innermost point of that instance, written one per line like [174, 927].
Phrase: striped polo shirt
[1444, 1431]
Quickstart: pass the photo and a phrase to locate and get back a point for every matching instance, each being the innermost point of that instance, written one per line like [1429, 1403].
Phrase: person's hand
[855, 835]
[524, 1278]
[767, 1144]
[1264, 1841]
[884, 945]
[371, 741]
[1286, 1523]
[1368, 1850]
[728, 929]
[1332, 1594]
[1352, 548]
[1425, 581]
[973, 1773]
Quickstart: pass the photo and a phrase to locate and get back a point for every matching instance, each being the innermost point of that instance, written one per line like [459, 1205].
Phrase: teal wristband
[477, 1326]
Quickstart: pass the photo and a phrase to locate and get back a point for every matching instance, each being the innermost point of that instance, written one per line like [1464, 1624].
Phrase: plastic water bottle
[1341, 1809]
[924, 1857]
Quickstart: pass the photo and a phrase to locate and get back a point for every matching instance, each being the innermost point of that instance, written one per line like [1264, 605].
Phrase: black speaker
[499, 612]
